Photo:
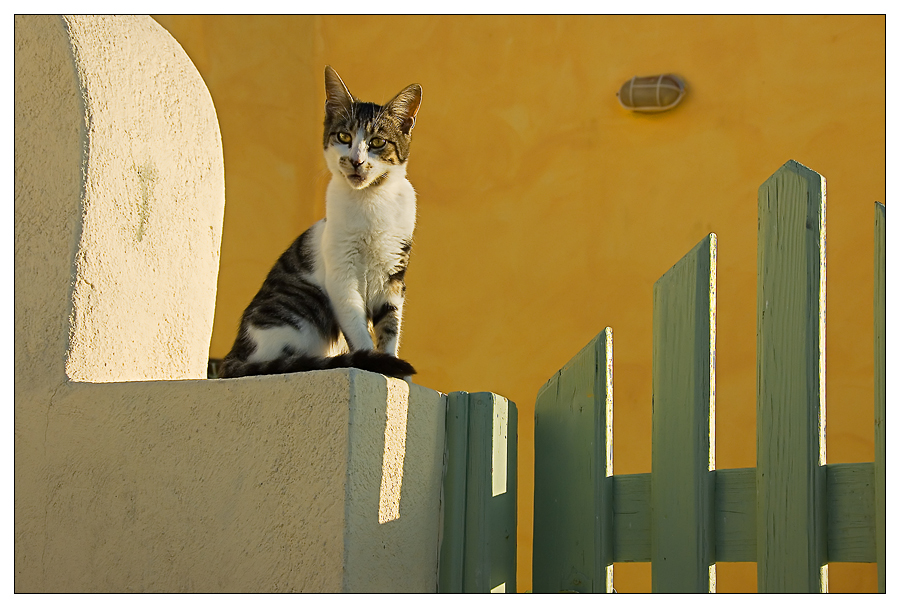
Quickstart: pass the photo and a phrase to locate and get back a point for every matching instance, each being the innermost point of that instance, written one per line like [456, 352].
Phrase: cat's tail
[368, 360]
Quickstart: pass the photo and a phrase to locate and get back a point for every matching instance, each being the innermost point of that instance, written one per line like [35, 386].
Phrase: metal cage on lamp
[651, 93]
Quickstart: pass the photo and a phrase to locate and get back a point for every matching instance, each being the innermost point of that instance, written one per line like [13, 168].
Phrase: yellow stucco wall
[547, 212]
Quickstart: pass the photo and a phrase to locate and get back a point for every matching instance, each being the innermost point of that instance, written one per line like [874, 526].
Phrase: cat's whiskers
[322, 176]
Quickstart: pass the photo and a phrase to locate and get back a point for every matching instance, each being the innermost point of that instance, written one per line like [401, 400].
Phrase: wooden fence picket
[880, 386]
[478, 543]
[453, 499]
[683, 475]
[793, 513]
[791, 544]
[573, 508]
[502, 515]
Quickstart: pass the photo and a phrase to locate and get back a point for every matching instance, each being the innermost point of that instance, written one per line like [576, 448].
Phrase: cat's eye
[344, 138]
[377, 142]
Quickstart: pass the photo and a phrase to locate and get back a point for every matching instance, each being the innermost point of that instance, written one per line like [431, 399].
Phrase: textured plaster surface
[151, 207]
[195, 486]
[395, 474]
[48, 125]
[317, 482]
[252, 485]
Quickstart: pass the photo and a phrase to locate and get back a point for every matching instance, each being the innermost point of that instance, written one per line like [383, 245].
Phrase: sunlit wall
[547, 211]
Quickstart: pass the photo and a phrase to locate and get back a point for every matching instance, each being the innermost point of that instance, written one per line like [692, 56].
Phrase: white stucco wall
[152, 205]
[318, 482]
[393, 486]
[269, 484]
[49, 133]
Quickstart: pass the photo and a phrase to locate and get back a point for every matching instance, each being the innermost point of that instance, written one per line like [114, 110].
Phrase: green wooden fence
[793, 513]
[478, 541]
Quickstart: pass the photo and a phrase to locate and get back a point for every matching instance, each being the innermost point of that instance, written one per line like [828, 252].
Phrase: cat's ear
[338, 99]
[405, 106]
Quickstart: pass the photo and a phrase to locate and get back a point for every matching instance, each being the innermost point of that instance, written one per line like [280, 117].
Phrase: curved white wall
[139, 144]
[154, 196]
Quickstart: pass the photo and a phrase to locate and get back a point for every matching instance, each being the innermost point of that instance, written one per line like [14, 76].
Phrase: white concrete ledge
[317, 482]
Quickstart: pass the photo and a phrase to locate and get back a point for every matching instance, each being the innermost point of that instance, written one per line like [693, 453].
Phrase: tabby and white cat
[346, 272]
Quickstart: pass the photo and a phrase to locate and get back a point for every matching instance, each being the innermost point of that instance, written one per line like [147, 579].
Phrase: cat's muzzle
[356, 179]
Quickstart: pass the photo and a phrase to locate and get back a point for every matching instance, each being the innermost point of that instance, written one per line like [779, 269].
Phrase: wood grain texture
[478, 543]
[880, 387]
[851, 512]
[573, 498]
[683, 477]
[502, 503]
[477, 557]
[450, 565]
[792, 522]
[631, 519]
[736, 515]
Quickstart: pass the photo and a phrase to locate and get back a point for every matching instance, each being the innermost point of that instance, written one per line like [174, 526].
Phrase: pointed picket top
[684, 444]
[573, 493]
[790, 471]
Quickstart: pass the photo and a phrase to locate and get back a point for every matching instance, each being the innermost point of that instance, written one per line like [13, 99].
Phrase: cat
[342, 280]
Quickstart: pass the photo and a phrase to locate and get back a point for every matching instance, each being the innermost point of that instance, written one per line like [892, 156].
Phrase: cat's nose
[356, 161]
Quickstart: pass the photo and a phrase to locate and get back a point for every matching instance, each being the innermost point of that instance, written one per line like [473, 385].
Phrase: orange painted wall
[547, 212]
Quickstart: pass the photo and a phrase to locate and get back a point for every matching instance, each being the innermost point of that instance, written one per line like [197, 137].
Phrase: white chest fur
[362, 244]
[366, 229]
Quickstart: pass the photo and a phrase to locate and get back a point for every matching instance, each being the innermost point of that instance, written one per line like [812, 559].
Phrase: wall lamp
[651, 93]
